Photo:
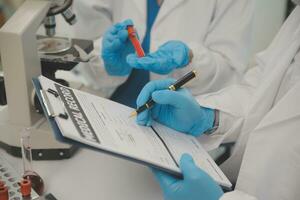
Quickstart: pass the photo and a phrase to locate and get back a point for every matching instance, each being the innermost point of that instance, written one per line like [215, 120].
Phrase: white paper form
[180, 144]
[109, 121]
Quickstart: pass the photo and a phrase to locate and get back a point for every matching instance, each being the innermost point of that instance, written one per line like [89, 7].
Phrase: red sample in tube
[2, 183]
[37, 182]
[25, 186]
[3, 193]
[135, 41]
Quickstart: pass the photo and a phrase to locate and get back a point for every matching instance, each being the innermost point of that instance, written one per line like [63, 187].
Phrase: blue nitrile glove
[171, 55]
[196, 184]
[115, 48]
[175, 109]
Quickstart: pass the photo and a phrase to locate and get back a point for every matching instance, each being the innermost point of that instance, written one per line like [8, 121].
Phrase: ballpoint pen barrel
[146, 106]
[178, 84]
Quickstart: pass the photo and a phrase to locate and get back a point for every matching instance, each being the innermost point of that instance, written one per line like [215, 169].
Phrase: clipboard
[61, 111]
[59, 136]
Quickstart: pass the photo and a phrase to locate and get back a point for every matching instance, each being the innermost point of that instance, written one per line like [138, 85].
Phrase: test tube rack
[10, 177]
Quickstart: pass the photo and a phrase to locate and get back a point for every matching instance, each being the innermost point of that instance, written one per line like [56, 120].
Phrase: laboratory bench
[93, 175]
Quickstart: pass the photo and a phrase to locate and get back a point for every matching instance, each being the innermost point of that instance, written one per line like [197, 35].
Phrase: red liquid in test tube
[135, 41]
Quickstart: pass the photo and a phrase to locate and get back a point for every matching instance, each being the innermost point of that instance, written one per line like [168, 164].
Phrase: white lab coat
[266, 158]
[218, 32]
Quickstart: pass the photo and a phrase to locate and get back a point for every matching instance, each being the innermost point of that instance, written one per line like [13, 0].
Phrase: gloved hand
[115, 48]
[171, 55]
[175, 109]
[196, 185]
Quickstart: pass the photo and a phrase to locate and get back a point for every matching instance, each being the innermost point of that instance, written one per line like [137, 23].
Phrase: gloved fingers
[123, 24]
[123, 35]
[144, 118]
[149, 122]
[184, 92]
[181, 57]
[111, 31]
[132, 59]
[165, 180]
[189, 169]
[120, 37]
[114, 45]
[110, 38]
[151, 60]
[150, 87]
[127, 22]
[151, 63]
[179, 52]
[168, 97]
[139, 63]
[117, 28]
[111, 41]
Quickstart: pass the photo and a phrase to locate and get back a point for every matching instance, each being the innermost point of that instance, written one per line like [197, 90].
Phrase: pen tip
[134, 113]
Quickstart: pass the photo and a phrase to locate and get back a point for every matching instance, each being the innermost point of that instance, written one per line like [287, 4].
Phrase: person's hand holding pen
[175, 109]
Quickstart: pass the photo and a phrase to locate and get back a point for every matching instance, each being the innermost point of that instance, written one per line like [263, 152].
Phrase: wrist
[114, 70]
[114, 66]
[191, 55]
[184, 55]
[215, 123]
[188, 55]
[205, 121]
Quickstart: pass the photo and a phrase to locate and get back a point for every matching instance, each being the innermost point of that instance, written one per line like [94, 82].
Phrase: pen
[135, 42]
[178, 84]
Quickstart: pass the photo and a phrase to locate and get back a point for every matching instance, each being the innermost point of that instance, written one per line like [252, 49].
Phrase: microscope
[25, 55]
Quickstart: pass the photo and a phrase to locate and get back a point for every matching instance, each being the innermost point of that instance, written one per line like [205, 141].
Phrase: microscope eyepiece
[64, 9]
[69, 16]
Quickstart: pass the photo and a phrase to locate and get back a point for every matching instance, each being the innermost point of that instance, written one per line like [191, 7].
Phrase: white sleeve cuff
[237, 195]
[96, 76]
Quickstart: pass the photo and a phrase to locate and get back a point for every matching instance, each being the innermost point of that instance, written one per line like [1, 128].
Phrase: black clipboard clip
[48, 106]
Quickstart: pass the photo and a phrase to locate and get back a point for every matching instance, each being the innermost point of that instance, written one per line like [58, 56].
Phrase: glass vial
[36, 181]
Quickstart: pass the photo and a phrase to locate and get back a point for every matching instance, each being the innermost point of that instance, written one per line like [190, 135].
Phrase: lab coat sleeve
[94, 17]
[232, 102]
[237, 195]
[222, 58]
[97, 77]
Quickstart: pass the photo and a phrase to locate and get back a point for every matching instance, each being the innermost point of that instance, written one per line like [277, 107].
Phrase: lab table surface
[93, 175]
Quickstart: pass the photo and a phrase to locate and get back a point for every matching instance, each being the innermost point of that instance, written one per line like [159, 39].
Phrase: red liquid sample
[36, 182]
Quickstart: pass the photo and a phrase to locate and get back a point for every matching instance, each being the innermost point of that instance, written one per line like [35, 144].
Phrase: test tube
[36, 181]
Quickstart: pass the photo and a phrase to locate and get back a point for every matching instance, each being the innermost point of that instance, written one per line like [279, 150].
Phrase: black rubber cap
[3, 100]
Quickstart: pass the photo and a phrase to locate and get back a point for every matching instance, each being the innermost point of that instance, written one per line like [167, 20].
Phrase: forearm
[96, 75]
[99, 79]
[222, 57]
[93, 18]
[232, 103]
[214, 70]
